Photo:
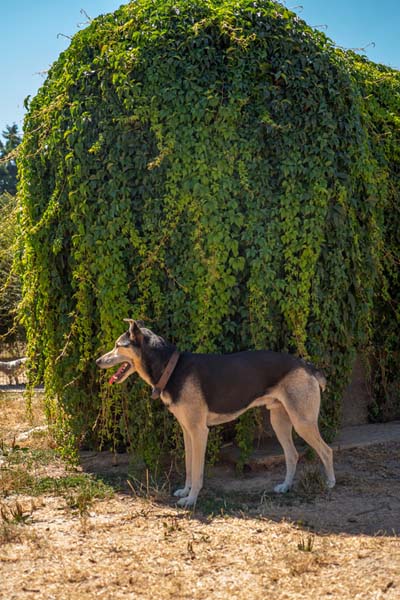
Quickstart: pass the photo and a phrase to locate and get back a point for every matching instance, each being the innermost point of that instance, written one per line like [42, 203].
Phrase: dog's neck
[155, 368]
[161, 384]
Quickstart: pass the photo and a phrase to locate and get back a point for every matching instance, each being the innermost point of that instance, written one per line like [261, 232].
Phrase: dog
[202, 390]
[13, 368]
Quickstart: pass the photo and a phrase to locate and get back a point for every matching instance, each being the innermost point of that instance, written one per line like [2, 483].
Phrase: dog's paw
[182, 492]
[187, 502]
[281, 488]
[330, 483]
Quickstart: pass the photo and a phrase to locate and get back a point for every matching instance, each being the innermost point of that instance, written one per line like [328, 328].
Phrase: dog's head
[136, 350]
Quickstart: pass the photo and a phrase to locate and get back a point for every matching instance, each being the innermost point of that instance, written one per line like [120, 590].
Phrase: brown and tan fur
[293, 399]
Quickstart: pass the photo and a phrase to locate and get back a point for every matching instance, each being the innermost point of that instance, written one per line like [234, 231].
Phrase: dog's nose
[98, 362]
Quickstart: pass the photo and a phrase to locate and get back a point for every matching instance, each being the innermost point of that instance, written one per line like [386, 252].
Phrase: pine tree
[8, 170]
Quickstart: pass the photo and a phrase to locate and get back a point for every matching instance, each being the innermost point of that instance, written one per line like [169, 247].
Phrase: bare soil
[242, 541]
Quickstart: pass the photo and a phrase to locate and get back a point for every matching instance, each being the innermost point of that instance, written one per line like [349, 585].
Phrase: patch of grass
[309, 454]
[171, 526]
[311, 482]
[271, 500]
[211, 504]
[306, 543]
[80, 497]
[116, 481]
[15, 480]
[80, 484]
[149, 487]
[17, 475]
[29, 457]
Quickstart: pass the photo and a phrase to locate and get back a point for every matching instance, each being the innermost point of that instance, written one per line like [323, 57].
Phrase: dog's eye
[123, 344]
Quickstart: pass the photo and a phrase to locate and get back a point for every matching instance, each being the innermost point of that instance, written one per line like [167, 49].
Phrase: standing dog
[208, 389]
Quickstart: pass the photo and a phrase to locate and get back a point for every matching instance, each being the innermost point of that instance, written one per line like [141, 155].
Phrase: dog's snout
[99, 361]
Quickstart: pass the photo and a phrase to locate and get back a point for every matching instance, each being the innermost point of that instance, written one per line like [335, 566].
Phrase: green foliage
[381, 113]
[10, 285]
[223, 171]
[245, 428]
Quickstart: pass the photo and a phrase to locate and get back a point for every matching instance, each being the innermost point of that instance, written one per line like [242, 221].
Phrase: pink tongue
[117, 375]
[113, 379]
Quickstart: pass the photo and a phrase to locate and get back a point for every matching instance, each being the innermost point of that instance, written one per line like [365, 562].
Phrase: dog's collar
[159, 387]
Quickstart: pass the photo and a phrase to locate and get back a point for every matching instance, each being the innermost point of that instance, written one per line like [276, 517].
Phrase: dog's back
[231, 382]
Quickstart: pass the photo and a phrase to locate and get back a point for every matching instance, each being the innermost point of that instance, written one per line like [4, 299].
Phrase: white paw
[187, 502]
[281, 488]
[330, 483]
[182, 492]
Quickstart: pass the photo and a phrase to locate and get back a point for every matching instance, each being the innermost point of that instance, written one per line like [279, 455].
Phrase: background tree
[8, 170]
[10, 285]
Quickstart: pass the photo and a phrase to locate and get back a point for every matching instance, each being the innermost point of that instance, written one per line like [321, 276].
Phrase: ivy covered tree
[222, 170]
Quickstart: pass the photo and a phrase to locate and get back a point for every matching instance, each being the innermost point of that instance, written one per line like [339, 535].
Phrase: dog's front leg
[198, 437]
[183, 492]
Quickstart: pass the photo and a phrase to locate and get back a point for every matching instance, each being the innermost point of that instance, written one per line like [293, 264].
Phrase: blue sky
[29, 42]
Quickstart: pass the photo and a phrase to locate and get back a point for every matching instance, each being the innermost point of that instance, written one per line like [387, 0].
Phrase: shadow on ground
[366, 499]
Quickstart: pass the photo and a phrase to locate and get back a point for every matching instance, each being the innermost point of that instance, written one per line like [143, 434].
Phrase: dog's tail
[320, 377]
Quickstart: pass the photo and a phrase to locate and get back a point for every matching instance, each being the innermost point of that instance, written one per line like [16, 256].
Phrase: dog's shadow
[351, 507]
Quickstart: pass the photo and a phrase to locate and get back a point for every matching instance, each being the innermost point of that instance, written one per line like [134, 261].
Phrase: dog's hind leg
[310, 433]
[282, 426]
[301, 398]
[183, 492]
[198, 438]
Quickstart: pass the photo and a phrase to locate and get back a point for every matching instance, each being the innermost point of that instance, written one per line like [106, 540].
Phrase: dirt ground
[83, 533]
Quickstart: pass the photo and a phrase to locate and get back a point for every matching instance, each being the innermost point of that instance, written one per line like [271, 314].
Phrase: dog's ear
[135, 333]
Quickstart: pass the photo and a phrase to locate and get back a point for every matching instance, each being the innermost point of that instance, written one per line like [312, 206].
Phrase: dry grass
[68, 543]
[16, 418]
[131, 548]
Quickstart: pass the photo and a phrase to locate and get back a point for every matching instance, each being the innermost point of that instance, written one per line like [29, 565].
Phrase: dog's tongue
[118, 374]
[113, 379]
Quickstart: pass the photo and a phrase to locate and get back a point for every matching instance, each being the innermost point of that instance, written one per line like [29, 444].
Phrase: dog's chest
[166, 399]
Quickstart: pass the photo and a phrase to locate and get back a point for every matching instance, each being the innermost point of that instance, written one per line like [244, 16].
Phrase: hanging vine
[224, 171]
